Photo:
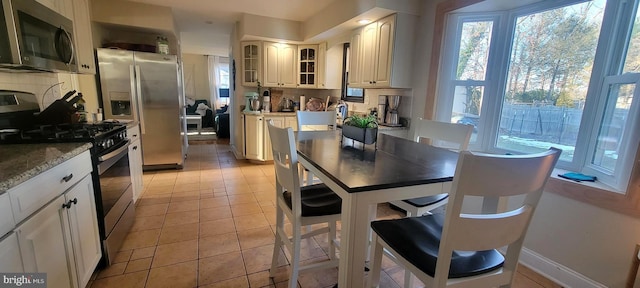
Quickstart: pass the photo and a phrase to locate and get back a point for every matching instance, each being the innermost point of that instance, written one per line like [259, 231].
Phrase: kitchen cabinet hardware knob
[74, 201]
[67, 178]
[135, 147]
[66, 205]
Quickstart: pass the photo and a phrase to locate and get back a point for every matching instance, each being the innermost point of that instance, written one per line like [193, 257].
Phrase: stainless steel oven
[114, 175]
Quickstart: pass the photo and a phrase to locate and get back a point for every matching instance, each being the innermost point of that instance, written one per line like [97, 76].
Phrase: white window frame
[618, 20]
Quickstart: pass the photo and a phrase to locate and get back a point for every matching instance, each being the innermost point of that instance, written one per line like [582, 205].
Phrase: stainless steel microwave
[34, 37]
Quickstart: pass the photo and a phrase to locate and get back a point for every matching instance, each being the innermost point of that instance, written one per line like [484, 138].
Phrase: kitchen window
[349, 94]
[554, 73]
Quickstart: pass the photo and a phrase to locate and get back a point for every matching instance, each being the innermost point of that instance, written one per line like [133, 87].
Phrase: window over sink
[349, 94]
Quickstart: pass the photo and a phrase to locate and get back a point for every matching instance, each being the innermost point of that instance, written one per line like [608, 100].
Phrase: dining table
[365, 175]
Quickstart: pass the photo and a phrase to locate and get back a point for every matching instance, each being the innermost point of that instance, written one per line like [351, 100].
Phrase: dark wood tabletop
[396, 162]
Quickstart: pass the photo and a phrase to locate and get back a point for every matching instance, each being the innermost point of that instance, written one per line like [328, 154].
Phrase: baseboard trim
[555, 271]
[236, 153]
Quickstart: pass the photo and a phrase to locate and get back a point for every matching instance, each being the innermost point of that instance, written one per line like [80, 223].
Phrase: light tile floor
[212, 225]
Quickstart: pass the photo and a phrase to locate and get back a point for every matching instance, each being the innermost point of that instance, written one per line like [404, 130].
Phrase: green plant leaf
[362, 121]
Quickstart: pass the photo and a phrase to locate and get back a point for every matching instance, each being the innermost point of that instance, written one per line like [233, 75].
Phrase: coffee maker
[392, 119]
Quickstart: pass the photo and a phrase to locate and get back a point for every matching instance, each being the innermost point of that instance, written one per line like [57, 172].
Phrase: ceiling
[205, 25]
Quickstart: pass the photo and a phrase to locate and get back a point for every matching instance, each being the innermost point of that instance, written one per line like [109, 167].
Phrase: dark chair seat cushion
[417, 239]
[426, 201]
[317, 200]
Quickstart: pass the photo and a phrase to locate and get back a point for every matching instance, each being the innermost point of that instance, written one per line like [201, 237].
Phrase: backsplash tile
[38, 84]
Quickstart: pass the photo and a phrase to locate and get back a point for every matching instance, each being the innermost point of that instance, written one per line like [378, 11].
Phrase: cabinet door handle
[67, 178]
[68, 204]
[135, 147]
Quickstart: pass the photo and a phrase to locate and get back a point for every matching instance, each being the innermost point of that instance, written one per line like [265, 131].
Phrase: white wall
[594, 242]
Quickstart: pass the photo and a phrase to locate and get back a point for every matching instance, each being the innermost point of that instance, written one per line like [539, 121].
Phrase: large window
[555, 73]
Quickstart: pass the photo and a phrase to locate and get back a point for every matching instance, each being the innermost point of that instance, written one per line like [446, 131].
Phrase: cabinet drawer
[6, 217]
[133, 133]
[30, 196]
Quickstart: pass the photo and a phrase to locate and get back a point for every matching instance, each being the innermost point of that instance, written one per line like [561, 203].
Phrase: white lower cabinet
[44, 239]
[253, 135]
[135, 161]
[61, 239]
[10, 255]
[256, 134]
[83, 225]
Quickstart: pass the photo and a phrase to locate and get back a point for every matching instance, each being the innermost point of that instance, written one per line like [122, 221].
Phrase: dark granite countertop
[21, 162]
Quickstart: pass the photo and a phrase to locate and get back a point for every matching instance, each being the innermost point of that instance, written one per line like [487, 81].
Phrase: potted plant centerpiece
[361, 128]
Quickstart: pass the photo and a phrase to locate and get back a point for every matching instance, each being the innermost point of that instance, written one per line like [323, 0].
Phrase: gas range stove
[102, 135]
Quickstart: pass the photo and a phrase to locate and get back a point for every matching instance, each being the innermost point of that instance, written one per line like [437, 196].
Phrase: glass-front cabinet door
[307, 66]
[251, 70]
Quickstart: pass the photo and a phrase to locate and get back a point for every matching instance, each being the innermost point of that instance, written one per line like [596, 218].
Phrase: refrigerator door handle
[139, 100]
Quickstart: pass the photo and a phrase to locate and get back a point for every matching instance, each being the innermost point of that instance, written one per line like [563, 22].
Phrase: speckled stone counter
[21, 162]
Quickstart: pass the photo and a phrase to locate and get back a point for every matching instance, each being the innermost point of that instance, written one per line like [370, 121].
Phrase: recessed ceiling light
[364, 21]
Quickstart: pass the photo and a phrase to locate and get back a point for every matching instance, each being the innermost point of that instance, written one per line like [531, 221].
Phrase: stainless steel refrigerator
[146, 87]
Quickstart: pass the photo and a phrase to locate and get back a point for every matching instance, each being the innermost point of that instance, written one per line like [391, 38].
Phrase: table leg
[354, 241]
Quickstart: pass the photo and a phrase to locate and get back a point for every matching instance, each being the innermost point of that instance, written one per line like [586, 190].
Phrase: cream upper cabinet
[63, 7]
[354, 62]
[381, 53]
[280, 62]
[251, 64]
[368, 54]
[83, 39]
[308, 59]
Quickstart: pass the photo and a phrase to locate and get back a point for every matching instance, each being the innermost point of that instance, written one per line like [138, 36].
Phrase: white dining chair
[314, 121]
[303, 206]
[449, 135]
[460, 249]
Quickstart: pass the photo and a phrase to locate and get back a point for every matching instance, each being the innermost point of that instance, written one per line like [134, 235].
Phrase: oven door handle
[114, 153]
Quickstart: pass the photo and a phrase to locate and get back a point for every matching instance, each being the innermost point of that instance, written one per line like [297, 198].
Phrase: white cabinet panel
[280, 61]
[10, 258]
[6, 216]
[43, 245]
[83, 226]
[83, 39]
[254, 135]
[381, 53]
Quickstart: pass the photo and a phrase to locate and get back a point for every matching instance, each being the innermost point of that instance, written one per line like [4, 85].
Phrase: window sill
[597, 185]
[597, 194]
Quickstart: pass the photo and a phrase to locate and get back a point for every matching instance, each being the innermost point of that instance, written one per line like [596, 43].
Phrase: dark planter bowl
[364, 135]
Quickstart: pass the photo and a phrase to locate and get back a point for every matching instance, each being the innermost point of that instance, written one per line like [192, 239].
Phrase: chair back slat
[451, 133]
[478, 233]
[318, 120]
[493, 176]
[285, 160]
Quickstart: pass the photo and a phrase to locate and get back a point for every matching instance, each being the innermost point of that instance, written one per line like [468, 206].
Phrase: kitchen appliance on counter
[392, 119]
[111, 175]
[266, 101]
[287, 105]
[34, 37]
[146, 87]
[342, 112]
[249, 98]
